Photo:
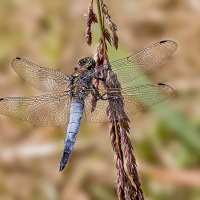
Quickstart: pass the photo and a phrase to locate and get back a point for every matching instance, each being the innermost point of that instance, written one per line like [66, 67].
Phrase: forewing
[136, 65]
[41, 78]
[135, 99]
[45, 110]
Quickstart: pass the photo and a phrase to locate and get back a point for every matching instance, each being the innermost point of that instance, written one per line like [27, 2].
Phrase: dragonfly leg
[101, 79]
[101, 97]
[83, 83]
[98, 96]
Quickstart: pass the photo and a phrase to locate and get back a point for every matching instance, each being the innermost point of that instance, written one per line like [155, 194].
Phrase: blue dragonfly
[72, 95]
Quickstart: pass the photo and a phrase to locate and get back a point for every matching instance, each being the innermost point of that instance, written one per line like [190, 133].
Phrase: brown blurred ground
[166, 139]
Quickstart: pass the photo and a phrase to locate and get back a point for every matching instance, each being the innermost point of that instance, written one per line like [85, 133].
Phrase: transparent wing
[135, 99]
[45, 110]
[43, 79]
[136, 65]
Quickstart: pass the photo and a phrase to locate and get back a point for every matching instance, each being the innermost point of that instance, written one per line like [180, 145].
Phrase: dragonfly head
[87, 62]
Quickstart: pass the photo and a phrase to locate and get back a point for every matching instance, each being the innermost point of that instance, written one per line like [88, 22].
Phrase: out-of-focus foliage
[166, 138]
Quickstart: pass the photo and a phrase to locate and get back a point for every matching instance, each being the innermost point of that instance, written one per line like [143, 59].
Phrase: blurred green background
[166, 138]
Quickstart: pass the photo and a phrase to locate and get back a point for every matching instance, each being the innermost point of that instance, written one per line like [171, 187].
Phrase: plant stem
[99, 7]
[101, 24]
[100, 17]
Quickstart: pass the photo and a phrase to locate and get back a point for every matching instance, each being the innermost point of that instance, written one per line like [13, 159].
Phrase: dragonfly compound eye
[82, 62]
[88, 62]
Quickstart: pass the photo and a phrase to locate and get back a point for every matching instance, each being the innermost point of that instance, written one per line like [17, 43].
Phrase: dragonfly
[71, 96]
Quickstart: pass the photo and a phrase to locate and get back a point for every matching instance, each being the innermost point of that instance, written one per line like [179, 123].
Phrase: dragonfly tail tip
[62, 166]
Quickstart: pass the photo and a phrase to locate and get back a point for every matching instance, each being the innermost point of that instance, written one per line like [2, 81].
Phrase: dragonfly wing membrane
[99, 114]
[41, 78]
[44, 110]
[132, 100]
[136, 65]
[139, 98]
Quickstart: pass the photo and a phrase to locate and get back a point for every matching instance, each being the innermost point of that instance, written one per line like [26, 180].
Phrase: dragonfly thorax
[81, 79]
[81, 82]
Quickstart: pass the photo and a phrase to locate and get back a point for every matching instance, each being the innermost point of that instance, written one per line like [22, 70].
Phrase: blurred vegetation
[165, 138]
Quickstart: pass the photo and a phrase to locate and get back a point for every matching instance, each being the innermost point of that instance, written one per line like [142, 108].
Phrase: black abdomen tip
[161, 84]
[163, 41]
[1, 99]
[18, 58]
[61, 167]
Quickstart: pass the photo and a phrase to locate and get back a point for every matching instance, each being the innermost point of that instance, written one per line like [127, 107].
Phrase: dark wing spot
[161, 84]
[163, 41]
[1, 99]
[18, 58]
